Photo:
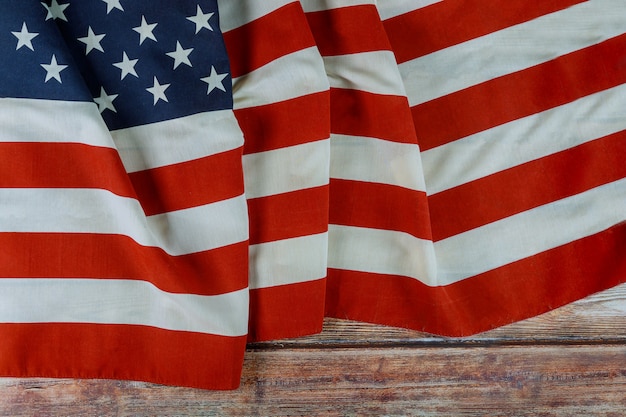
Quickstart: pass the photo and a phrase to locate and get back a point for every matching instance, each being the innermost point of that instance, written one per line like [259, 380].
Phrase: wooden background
[569, 362]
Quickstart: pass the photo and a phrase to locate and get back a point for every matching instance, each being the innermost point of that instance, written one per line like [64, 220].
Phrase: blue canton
[139, 61]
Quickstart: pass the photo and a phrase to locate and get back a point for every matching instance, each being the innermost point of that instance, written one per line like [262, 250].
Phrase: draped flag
[281, 103]
[122, 213]
[168, 193]
[379, 232]
[518, 109]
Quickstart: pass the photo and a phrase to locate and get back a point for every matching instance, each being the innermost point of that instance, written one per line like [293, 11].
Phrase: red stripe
[287, 215]
[286, 123]
[529, 185]
[451, 22]
[348, 30]
[159, 190]
[510, 293]
[191, 183]
[286, 311]
[267, 38]
[535, 89]
[360, 113]
[62, 165]
[379, 206]
[85, 255]
[124, 352]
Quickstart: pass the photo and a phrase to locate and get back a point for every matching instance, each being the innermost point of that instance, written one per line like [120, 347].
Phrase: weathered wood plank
[505, 381]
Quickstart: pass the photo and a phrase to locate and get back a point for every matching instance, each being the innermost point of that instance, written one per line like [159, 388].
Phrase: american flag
[518, 109]
[379, 222]
[123, 219]
[448, 166]
[281, 102]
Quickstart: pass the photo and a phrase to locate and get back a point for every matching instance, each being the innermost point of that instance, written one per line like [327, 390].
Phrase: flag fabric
[518, 113]
[169, 193]
[281, 101]
[123, 221]
[379, 227]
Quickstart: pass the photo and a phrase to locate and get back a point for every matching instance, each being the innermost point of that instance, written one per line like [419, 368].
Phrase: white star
[113, 4]
[180, 55]
[24, 38]
[201, 19]
[214, 80]
[53, 70]
[55, 10]
[92, 41]
[127, 66]
[105, 101]
[145, 30]
[158, 91]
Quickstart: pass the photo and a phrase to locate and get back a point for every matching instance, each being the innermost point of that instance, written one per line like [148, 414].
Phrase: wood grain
[569, 362]
[547, 380]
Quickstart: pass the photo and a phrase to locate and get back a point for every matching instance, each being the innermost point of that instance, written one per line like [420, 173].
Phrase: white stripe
[288, 261]
[105, 301]
[319, 5]
[28, 120]
[374, 72]
[393, 8]
[236, 13]
[375, 160]
[202, 228]
[381, 251]
[290, 76]
[141, 147]
[99, 211]
[525, 139]
[286, 169]
[531, 232]
[512, 49]
[178, 140]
